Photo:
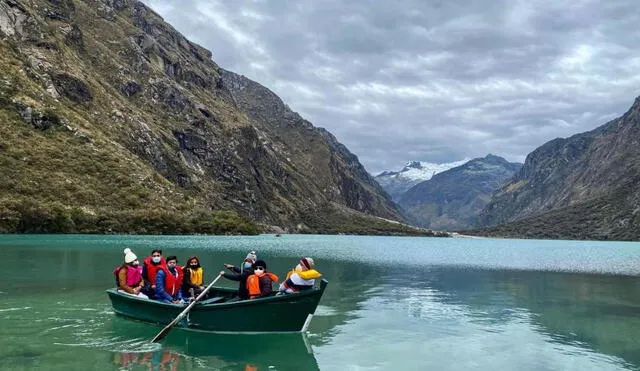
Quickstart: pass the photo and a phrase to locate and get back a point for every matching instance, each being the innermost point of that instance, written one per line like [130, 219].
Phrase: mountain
[452, 199]
[398, 182]
[114, 121]
[582, 187]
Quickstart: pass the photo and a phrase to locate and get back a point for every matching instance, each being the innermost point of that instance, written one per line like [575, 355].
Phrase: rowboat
[221, 312]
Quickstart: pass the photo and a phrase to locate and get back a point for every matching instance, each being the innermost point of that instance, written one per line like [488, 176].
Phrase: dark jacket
[241, 276]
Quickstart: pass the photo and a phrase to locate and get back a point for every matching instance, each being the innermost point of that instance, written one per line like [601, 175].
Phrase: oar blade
[162, 333]
[180, 316]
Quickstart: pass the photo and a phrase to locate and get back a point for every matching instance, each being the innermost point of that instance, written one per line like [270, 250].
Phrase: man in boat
[301, 278]
[241, 274]
[169, 282]
[192, 285]
[129, 275]
[260, 283]
[150, 267]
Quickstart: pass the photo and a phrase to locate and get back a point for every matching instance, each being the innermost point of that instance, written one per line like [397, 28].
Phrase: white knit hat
[252, 256]
[129, 256]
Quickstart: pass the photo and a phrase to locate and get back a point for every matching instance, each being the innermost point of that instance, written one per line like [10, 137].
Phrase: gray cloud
[436, 81]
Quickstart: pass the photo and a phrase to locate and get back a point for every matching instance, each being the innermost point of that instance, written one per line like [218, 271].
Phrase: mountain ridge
[117, 122]
[452, 199]
[591, 171]
[396, 183]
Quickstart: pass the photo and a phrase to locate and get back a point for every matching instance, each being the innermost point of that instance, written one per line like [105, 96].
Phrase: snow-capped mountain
[398, 182]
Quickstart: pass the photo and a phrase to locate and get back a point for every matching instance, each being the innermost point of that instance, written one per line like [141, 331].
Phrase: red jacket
[172, 283]
[152, 269]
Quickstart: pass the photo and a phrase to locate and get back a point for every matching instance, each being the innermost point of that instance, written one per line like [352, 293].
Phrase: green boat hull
[282, 313]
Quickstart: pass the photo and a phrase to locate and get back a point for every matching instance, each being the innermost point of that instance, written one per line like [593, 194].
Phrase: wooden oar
[186, 310]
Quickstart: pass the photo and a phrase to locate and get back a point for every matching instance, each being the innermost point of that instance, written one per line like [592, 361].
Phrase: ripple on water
[14, 309]
[325, 311]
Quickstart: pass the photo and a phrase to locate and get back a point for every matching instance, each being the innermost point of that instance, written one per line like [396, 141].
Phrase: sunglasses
[258, 268]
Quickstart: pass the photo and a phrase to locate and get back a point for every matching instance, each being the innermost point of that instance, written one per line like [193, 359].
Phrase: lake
[393, 303]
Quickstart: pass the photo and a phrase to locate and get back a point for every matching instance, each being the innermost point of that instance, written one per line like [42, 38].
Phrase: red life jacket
[152, 269]
[171, 282]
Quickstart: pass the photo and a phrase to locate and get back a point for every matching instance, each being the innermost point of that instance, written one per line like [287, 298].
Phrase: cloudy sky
[429, 80]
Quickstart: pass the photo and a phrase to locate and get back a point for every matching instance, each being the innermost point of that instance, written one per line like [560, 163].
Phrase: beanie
[307, 263]
[129, 256]
[260, 263]
[251, 256]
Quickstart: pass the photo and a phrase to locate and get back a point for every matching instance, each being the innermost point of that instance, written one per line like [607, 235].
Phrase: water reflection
[186, 350]
[598, 313]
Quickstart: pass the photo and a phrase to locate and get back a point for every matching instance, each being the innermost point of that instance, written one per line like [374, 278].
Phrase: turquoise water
[393, 303]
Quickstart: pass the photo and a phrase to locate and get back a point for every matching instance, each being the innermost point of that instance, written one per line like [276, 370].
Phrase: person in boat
[241, 274]
[260, 283]
[129, 275]
[192, 284]
[151, 265]
[169, 282]
[301, 278]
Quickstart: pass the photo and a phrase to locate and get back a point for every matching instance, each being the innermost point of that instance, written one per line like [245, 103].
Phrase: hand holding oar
[166, 330]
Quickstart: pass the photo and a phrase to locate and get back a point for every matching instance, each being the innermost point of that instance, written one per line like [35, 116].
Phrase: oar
[186, 310]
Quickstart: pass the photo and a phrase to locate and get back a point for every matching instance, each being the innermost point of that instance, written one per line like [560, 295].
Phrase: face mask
[246, 265]
[171, 266]
[135, 263]
[156, 259]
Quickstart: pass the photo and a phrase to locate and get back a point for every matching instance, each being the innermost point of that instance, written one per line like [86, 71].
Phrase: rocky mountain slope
[112, 118]
[452, 199]
[584, 186]
[397, 183]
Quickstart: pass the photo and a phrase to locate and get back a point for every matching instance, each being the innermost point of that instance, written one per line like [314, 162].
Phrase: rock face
[149, 121]
[396, 183]
[452, 199]
[322, 163]
[584, 186]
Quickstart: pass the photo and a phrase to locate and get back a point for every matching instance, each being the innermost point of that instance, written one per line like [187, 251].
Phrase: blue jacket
[162, 295]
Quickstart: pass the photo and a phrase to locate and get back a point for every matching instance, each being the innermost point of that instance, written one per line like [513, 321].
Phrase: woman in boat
[150, 267]
[260, 283]
[169, 282]
[241, 274]
[129, 275]
[301, 278]
[192, 284]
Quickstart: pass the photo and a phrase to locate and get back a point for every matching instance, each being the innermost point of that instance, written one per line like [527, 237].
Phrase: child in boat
[241, 274]
[129, 275]
[192, 283]
[301, 278]
[260, 283]
[169, 282]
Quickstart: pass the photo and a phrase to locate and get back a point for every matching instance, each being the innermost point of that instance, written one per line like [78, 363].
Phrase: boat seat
[213, 300]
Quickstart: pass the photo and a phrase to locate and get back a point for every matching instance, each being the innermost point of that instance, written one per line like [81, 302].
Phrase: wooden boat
[222, 312]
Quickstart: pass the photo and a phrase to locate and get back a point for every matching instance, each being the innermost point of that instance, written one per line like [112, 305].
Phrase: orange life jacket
[253, 283]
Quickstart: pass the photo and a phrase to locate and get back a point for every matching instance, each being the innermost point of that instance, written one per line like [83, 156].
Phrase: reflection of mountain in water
[599, 311]
[589, 311]
[186, 350]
